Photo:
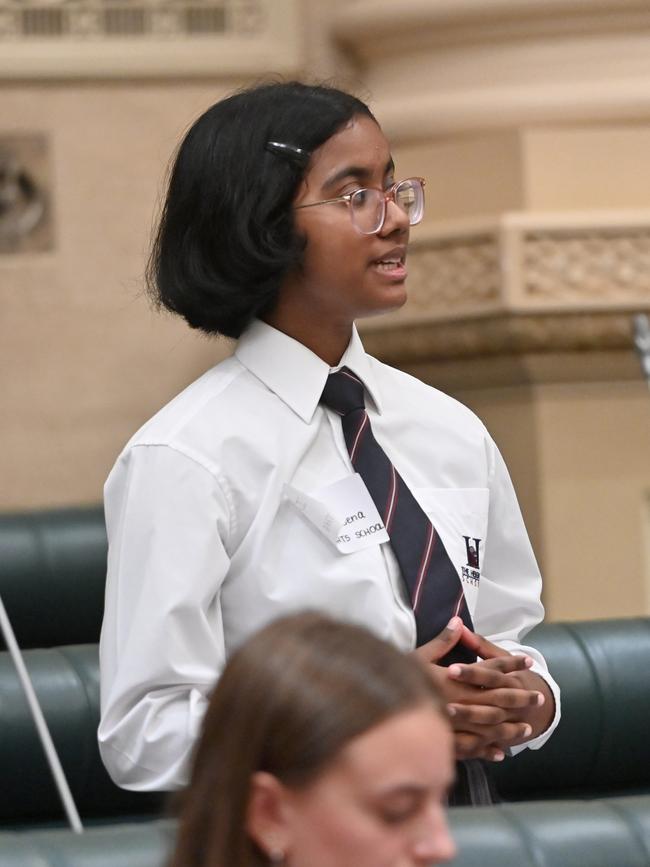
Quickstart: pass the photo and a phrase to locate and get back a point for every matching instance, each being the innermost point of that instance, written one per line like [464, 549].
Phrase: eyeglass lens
[368, 207]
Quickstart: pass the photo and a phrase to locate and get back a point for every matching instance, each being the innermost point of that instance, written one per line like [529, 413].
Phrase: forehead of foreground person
[322, 745]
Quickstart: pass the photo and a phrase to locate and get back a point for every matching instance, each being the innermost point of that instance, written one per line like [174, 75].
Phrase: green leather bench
[601, 747]
[58, 558]
[52, 575]
[605, 833]
[52, 578]
[128, 845]
[602, 744]
[608, 833]
[66, 680]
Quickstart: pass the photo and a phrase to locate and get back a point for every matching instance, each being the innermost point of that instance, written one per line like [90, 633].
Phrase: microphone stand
[39, 720]
[641, 328]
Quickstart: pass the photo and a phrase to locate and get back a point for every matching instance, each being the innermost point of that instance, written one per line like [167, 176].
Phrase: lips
[392, 258]
[391, 264]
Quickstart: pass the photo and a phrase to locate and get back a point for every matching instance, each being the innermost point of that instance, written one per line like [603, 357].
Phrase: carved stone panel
[117, 38]
[137, 19]
[604, 263]
[25, 209]
[455, 274]
[524, 283]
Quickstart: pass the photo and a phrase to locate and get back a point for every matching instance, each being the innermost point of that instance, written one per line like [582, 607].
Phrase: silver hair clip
[278, 147]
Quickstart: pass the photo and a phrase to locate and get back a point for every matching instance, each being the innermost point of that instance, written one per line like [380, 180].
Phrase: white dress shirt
[205, 545]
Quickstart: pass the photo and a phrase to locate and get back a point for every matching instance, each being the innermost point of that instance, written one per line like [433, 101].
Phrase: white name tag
[343, 512]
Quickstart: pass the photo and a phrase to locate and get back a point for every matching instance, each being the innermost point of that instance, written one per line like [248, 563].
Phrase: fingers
[489, 742]
[487, 650]
[490, 724]
[471, 746]
[506, 664]
[470, 639]
[464, 715]
[492, 674]
[512, 699]
[481, 646]
[440, 646]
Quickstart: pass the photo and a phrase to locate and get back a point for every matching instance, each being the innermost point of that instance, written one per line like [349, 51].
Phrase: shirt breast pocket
[460, 517]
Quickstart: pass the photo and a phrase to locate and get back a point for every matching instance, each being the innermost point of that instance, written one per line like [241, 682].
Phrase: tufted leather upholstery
[601, 745]
[136, 845]
[66, 680]
[607, 833]
[604, 833]
[52, 575]
[59, 559]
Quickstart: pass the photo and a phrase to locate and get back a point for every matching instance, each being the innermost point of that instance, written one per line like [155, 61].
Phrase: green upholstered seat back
[608, 833]
[52, 575]
[614, 833]
[134, 845]
[66, 681]
[602, 743]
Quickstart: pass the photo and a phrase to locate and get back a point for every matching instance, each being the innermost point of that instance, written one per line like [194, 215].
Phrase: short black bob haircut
[226, 236]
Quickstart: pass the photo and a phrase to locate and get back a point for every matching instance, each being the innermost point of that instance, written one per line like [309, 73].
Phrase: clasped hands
[494, 703]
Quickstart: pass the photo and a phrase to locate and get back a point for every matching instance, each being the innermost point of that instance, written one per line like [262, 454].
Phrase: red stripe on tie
[424, 565]
[392, 500]
[459, 603]
[350, 376]
[362, 426]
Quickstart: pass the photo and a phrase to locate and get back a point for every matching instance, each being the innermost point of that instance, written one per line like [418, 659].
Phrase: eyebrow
[359, 172]
[402, 789]
[412, 789]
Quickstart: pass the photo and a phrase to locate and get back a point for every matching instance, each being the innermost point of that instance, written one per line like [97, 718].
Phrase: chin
[390, 300]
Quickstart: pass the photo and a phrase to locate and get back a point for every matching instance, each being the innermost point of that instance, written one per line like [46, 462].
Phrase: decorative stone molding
[116, 38]
[526, 283]
[505, 334]
[608, 264]
[452, 274]
[438, 67]
[374, 27]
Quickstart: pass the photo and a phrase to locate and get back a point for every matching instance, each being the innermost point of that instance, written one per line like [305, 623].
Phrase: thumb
[440, 646]
[480, 645]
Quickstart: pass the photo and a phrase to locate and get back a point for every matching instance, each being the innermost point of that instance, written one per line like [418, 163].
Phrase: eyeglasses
[368, 206]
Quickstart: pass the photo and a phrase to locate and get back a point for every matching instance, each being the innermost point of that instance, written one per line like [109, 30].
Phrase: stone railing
[518, 284]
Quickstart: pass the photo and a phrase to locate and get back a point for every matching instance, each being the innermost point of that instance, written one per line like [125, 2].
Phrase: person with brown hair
[322, 745]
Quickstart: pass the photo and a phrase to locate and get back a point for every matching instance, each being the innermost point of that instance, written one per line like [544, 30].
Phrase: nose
[436, 845]
[395, 219]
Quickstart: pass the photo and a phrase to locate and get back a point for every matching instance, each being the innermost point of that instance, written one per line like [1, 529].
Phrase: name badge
[343, 512]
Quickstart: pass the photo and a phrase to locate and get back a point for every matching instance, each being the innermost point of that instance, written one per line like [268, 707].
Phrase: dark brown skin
[494, 703]
[339, 281]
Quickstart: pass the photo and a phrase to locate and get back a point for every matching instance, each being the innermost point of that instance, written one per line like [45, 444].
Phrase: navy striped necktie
[433, 585]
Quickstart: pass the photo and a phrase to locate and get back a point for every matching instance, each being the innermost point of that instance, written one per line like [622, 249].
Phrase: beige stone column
[94, 97]
[531, 123]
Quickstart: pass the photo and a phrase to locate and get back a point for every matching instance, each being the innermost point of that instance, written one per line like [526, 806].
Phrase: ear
[267, 815]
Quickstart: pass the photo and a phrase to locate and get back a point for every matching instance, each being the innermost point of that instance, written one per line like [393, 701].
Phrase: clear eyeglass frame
[380, 198]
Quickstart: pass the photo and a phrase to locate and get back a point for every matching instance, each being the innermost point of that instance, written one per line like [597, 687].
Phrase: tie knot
[343, 392]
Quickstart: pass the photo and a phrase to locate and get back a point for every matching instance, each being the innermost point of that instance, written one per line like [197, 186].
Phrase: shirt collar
[294, 372]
